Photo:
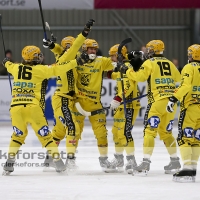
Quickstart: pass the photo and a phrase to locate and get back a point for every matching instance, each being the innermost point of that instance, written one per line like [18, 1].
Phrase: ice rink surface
[90, 183]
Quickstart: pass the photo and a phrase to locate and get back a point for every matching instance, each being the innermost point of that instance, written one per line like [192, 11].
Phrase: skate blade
[129, 171]
[72, 171]
[140, 173]
[120, 169]
[6, 173]
[62, 171]
[184, 179]
[107, 170]
[171, 171]
[48, 169]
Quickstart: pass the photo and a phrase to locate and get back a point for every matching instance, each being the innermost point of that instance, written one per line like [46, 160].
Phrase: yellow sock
[71, 144]
[170, 144]
[130, 148]
[102, 146]
[148, 145]
[13, 148]
[53, 150]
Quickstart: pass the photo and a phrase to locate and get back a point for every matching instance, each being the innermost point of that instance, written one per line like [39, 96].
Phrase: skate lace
[130, 162]
[114, 162]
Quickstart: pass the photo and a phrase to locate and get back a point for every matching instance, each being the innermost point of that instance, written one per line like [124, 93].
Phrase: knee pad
[170, 126]
[188, 132]
[43, 131]
[154, 121]
[17, 131]
[197, 134]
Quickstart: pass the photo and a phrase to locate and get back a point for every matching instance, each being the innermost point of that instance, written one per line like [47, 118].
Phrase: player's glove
[5, 60]
[136, 54]
[123, 68]
[115, 103]
[53, 38]
[170, 105]
[87, 27]
[82, 59]
[48, 44]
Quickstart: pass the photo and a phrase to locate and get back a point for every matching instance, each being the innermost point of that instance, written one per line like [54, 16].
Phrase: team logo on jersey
[188, 132]
[24, 84]
[17, 131]
[44, 131]
[170, 126]
[197, 134]
[154, 121]
[85, 79]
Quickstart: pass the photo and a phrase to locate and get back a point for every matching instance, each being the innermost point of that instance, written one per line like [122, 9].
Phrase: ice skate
[106, 165]
[8, 168]
[59, 165]
[143, 168]
[173, 166]
[118, 163]
[131, 164]
[185, 176]
[48, 163]
[71, 163]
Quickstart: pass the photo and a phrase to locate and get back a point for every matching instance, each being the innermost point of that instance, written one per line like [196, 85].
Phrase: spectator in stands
[143, 48]
[176, 63]
[3, 70]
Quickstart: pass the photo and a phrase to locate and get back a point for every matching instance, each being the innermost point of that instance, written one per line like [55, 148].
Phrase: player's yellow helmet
[67, 42]
[114, 49]
[90, 43]
[155, 47]
[194, 52]
[32, 54]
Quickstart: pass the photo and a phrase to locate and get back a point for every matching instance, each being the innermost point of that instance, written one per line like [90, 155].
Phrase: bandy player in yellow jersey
[89, 84]
[65, 124]
[28, 102]
[122, 126]
[188, 93]
[161, 76]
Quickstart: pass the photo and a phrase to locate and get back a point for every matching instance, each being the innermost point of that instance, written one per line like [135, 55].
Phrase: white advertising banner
[5, 99]
[108, 92]
[47, 4]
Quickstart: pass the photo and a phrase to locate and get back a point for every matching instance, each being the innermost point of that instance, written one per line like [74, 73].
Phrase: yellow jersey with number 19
[161, 75]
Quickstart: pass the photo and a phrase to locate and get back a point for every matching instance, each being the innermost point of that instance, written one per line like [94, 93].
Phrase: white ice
[90, 183]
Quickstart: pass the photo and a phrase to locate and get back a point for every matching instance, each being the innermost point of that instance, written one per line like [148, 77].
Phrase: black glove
[170, 105]
[116, 69]
[5, 60]
[48, 44]
[53, 39]
[82, 59]
[136, 54]
[123, 69]
[136, 63]
[87, 27]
